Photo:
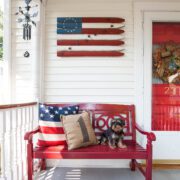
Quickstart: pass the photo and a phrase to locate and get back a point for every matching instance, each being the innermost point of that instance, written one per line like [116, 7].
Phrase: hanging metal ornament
[26, 54]
[27, 19]
[26, 31]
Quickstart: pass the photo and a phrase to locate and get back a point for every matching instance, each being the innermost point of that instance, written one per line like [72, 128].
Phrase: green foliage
[1, 47]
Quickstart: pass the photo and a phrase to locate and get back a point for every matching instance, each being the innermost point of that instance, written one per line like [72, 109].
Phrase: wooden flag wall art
[90, 37]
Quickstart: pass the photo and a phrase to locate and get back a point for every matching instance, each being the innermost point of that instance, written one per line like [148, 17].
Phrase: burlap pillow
[78, 130]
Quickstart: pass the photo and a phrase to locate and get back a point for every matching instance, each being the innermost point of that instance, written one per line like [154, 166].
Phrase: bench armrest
[28, 136]
[150, 135]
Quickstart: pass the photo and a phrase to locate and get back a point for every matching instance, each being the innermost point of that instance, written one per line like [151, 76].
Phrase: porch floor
[103, 174]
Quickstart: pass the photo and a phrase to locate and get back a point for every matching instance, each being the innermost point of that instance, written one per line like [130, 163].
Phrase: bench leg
[30, 161]
[149, 169]
[132, 165]
[149, 162]
[43, 164]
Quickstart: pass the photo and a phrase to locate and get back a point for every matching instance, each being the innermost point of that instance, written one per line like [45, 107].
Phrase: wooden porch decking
[57, 173]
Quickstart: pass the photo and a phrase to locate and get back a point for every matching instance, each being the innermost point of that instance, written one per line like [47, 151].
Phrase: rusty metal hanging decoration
[27, 20]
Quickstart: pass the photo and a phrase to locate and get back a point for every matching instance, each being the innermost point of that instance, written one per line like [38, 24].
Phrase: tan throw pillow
[78, 130]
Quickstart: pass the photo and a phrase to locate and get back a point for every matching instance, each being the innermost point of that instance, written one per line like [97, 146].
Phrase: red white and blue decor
[89, 36]
[51, 130]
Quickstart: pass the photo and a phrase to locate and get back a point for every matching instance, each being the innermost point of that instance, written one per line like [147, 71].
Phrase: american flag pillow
[51, 130]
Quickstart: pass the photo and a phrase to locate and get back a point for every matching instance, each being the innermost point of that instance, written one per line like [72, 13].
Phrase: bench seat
[133, 151]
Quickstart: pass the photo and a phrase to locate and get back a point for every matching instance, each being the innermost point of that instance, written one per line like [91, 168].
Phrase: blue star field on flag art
[69, 25]
[53, 113]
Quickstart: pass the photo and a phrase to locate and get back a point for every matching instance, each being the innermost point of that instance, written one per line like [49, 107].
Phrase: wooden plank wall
[88, 79]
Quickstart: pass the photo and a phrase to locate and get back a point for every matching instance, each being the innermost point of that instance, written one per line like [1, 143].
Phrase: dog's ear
[113, 122]
[122, 122]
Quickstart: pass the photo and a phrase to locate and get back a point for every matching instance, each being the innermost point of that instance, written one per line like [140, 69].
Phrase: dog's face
[117, 125]
[117, 128]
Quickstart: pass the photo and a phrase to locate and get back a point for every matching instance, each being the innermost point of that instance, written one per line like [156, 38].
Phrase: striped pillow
[51, 130]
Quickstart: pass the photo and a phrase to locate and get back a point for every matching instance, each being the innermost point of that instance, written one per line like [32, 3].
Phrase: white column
[42, 49]
[36, 57]
[7, 76]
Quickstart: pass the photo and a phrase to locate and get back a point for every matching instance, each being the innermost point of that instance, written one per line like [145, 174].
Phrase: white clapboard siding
[89, 79]
[91, 99]
[87, 85]
[91, 92]
[88, 4]
[21, 61]
[89, 70]
[53, 56]
[90, 62]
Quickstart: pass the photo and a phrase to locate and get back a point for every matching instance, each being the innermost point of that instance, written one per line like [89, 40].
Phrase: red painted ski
[88, 53]
[102, 20]
[89, 42]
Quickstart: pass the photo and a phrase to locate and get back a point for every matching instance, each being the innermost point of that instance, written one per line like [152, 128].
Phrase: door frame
[149, 18]
[143, 74]
[140, 8]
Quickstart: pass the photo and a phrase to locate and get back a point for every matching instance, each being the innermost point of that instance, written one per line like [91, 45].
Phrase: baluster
[27, 119]
[2, 144]
[23, 142]
[27, 128]
[35, 116]
[14, 150]
[8, 156]
[31, 118]
[19, 142]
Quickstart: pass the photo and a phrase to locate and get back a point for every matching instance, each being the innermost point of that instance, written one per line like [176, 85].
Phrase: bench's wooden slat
[94, 152]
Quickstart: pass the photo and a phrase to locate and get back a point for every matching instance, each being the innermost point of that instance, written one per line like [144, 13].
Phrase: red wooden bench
[102, 114]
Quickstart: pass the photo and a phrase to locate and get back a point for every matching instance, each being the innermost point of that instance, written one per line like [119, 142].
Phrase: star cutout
[51, 116]
[42, 105]
[47, 110]
[41, 115]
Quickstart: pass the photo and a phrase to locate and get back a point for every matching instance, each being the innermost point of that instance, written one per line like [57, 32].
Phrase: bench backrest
[103, 114]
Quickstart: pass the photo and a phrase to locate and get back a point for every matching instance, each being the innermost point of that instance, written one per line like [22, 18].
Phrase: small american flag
[89, 36]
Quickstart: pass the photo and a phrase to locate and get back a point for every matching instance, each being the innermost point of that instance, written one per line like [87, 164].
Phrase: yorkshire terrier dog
[113, 136]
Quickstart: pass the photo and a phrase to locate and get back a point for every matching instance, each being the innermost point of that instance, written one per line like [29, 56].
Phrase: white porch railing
[15, 120]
